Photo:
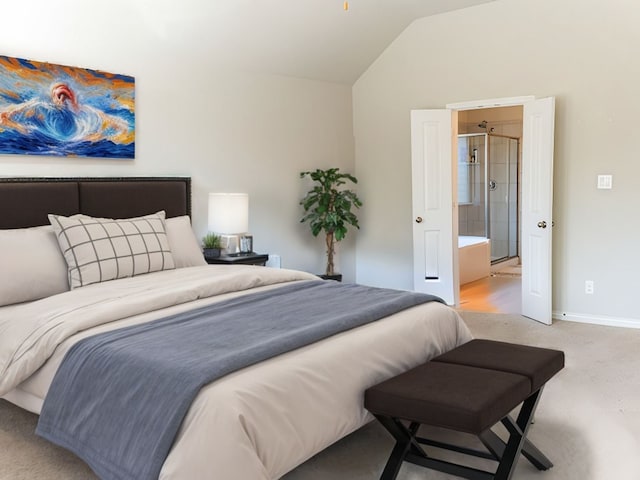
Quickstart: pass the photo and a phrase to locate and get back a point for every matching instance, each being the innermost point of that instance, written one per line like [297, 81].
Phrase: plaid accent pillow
[101, 249]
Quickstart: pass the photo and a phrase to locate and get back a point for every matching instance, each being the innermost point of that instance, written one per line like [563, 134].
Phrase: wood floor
[496, 294]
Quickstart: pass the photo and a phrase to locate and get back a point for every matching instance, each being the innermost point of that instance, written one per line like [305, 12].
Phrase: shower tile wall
[471, 217]
[472, 220]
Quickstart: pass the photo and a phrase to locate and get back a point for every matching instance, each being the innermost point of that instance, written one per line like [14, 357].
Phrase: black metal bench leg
[392, 468]
[496, 445]
[518, 433]
[535, 456]
[405, 442]
[408, 448]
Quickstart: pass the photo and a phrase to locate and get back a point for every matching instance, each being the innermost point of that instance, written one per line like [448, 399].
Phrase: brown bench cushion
[458, 397]
[538, 364]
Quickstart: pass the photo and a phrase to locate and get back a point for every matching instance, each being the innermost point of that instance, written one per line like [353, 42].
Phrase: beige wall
[584, 54]
[229, 130]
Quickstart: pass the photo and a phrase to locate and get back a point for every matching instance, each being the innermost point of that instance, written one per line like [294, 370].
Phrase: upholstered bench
[468, 389]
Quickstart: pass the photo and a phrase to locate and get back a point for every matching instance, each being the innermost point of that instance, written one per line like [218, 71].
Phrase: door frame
[495, 103]
[490, 103]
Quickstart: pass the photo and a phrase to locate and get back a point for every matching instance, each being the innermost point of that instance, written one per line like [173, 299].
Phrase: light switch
[605, 181]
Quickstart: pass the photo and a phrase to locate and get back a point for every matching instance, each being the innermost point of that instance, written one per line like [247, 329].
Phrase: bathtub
[474, 256]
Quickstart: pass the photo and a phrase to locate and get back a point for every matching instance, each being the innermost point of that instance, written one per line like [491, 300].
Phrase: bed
[258, 422]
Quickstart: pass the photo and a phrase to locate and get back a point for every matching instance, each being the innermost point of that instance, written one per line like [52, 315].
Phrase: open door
[435, 214]
[537, 205]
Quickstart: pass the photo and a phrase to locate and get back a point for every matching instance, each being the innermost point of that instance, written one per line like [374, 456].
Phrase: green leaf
[327, 206]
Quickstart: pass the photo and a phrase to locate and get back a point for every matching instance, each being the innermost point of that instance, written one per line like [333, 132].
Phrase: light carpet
[588, 420]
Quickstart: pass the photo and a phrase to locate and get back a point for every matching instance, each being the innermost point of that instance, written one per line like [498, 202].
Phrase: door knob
[418, 219]
[542, 224]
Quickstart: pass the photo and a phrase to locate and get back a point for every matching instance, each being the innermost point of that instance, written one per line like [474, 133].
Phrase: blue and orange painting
[48, 109]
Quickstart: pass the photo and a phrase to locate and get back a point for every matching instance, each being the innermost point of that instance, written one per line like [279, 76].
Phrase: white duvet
[257, 423]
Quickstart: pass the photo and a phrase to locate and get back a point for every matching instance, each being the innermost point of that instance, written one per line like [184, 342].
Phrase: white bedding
[257, 423]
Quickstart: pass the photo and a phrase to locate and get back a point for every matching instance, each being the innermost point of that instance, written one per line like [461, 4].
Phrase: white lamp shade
[228, 213]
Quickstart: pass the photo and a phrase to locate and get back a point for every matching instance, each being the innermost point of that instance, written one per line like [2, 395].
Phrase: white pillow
[185, 248]
[32, 265]
[101, 249]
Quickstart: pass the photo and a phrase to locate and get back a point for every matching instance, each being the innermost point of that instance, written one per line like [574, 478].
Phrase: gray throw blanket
[118, 398]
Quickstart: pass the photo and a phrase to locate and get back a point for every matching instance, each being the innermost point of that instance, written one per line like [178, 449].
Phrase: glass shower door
[503, 197]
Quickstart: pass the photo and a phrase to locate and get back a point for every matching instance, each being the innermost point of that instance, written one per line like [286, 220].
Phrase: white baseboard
[598, 319]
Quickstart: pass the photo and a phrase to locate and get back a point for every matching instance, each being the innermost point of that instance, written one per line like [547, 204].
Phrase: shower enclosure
[488, 191]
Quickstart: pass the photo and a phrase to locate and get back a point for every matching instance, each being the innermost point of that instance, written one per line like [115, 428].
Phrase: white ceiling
[313, 39]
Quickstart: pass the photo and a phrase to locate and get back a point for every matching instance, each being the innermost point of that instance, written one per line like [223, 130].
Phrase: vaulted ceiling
[314, 39]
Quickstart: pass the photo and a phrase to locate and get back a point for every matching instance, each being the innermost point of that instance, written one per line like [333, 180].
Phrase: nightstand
[240, 259]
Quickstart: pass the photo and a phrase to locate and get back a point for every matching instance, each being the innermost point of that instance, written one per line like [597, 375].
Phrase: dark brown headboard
[26, 202]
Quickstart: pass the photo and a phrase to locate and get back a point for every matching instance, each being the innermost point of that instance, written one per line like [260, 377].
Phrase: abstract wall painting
[57, 110]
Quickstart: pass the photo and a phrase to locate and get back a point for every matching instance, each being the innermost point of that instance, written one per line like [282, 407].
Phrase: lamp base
[230, 244]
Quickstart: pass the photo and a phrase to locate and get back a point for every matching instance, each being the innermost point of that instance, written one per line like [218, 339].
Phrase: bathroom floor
[498, 293]
[507, 271]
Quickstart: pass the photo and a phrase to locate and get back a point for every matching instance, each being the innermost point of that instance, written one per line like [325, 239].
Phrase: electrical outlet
[588, 287]
[605, 182]
[274, 261]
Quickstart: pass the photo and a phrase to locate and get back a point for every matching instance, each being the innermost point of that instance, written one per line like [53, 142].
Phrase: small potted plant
[327, 208]
[212, 244]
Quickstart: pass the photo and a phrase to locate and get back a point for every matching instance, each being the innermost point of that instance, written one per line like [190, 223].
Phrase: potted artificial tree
[211, 244]
[327, 208]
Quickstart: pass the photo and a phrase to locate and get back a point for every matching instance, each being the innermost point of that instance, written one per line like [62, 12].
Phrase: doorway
[488, 209]
[435, 210]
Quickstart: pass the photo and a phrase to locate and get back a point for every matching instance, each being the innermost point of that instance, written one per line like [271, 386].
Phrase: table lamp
[229, 218]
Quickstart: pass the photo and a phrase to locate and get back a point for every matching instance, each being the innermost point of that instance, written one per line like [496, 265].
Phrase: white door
[435, 213]
[537, 205]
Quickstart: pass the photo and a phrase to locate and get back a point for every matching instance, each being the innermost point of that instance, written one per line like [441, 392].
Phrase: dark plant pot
[211, 252]
[337, 277]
